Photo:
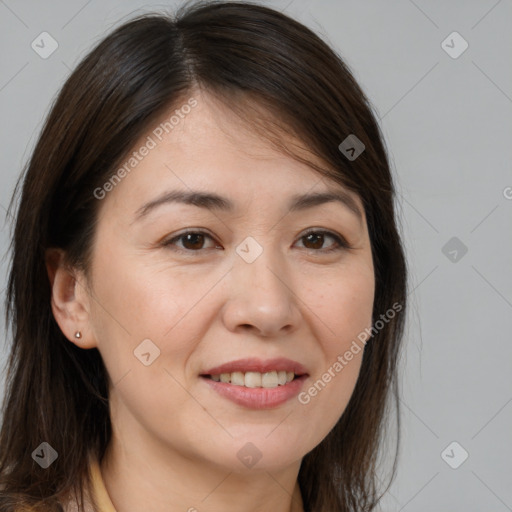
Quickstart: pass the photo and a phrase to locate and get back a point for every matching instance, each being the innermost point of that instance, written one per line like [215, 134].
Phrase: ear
[70, 300]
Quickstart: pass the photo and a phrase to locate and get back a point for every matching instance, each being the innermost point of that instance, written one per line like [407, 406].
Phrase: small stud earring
[78, 334]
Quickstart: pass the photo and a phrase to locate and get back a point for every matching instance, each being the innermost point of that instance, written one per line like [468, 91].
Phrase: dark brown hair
[274, 72]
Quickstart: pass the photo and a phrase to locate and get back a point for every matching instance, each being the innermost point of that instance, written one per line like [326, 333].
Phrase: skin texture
[175, 441]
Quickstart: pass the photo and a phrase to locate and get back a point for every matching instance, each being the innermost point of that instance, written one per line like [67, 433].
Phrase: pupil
[319, 238]
[194, 240]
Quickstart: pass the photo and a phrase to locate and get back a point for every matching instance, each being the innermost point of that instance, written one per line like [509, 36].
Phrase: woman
[207, 287]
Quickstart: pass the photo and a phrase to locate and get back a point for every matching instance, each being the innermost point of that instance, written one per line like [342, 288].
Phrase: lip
[253, 364]
[258, 398]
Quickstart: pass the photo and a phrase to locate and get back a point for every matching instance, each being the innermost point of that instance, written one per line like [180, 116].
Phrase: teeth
[252, 380]
[256, 379]
[237, 378]
[269, 380]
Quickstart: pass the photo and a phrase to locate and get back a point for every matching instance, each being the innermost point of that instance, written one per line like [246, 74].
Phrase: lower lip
[258, 398]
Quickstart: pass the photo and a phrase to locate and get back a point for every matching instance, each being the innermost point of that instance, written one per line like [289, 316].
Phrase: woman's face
[248, 293]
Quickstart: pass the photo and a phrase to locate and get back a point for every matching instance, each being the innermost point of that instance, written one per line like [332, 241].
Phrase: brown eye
[314, 240]
[191, 241]
[195, 241]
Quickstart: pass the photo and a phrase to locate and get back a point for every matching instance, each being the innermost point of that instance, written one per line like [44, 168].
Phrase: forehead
[209, 147]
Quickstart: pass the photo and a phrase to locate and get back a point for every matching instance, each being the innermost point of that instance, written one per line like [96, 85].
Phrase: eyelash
[340, 242]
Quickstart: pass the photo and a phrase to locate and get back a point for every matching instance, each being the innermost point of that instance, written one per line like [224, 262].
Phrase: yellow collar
[100, 492]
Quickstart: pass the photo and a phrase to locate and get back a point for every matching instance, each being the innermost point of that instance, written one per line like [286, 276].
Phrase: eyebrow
[212, 201]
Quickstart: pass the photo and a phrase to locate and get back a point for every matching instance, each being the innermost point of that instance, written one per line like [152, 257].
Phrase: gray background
[448, 124]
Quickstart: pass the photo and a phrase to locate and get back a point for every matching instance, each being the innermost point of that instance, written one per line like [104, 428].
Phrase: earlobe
[69, 300]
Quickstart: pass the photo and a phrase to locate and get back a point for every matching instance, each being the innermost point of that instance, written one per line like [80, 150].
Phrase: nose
[261, 298]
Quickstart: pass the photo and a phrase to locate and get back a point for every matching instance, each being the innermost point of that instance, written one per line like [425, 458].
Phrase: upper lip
[252, 364]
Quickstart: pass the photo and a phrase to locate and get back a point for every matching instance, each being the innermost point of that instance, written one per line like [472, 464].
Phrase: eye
[315, 239]
[192, 241]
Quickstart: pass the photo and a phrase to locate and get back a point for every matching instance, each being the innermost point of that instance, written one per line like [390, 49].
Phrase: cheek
[344, 306]
[351, 316]
[344, 310]
[136, 304]
[138, 301]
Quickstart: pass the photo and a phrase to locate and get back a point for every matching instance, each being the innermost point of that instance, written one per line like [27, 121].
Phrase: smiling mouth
[271, 379]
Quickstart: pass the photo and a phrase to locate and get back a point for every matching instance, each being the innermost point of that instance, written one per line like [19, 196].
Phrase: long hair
[281, 77]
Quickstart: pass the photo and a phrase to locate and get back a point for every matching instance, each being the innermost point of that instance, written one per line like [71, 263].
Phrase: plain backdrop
[446, 115]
